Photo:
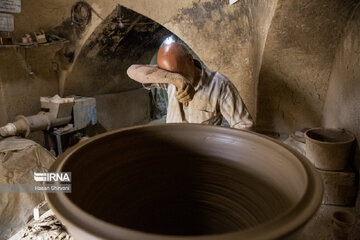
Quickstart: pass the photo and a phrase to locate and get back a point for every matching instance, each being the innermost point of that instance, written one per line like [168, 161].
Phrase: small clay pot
[327, 148]
[343, 223]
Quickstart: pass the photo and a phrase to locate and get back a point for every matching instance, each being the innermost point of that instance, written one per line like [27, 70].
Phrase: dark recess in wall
[110, 50]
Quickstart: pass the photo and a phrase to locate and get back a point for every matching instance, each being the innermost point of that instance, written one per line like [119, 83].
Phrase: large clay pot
[185, 181]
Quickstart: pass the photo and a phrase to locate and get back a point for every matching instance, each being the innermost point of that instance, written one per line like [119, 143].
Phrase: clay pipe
[146, 74]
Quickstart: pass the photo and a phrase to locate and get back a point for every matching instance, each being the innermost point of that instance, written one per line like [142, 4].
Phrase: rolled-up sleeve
[233, 109]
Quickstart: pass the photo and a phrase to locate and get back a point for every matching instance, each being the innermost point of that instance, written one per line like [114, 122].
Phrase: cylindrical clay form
[327, 148]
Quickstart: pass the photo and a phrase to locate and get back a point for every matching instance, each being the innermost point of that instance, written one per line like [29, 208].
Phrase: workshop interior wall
[297, 61]
[228, 39]
[279, 54]
[25, 75]
[342, 105]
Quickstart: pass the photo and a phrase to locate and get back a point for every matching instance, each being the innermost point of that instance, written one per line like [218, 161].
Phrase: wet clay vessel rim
[284, 224]
[140, 235]
[350, 134]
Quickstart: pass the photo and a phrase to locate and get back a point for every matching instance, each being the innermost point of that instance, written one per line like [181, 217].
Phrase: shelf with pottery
[34, 44]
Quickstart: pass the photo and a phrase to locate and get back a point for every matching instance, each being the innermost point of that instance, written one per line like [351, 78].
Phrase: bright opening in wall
[169, 40]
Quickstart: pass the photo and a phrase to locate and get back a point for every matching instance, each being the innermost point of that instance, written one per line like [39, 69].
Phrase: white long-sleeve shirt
[215, 96]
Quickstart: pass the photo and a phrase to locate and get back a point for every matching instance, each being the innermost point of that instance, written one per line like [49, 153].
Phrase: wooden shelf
[35, 44]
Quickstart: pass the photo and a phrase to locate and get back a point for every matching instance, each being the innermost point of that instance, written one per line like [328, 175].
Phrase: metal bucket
[328, 148]
[185, 181]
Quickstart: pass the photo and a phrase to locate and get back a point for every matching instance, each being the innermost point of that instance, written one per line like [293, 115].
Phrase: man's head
[174, 57]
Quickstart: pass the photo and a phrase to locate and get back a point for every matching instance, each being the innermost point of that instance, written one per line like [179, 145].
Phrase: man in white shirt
[206, 97]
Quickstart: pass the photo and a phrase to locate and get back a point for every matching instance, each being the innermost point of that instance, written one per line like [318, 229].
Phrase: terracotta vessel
[328, 148]
[343, 222]
[185, 181]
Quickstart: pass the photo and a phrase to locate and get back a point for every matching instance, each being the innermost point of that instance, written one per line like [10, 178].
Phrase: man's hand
[186, 94]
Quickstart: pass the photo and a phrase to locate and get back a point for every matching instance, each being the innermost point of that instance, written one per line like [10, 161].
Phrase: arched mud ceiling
[101, 65]
[228, 39]
[299, 51]
[224, 34]
[231, 39]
